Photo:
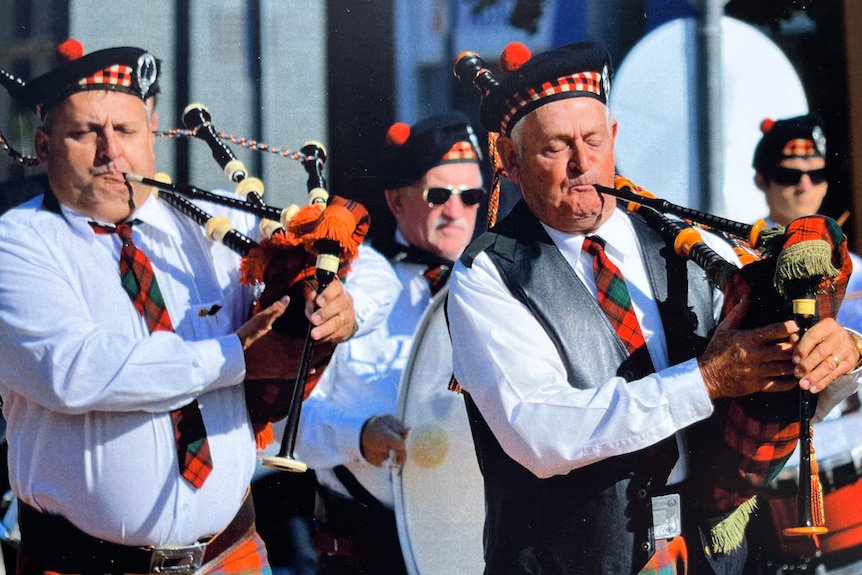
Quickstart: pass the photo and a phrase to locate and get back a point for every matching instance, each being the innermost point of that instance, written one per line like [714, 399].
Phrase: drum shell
[440, 511]
[838, 452]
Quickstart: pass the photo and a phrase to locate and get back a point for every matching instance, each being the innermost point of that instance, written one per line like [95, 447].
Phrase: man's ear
[760, 182]
[154, 121]
[508, 151]
[395, 200]
[42, 143]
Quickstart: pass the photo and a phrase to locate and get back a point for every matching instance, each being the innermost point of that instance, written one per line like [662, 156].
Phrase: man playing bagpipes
[592, 356]
[125, 339]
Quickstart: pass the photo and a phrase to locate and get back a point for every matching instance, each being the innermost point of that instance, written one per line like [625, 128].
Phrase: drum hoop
[428, 316]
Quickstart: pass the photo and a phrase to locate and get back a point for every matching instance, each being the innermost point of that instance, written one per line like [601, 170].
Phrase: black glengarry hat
[129, 70]
[574, 70]
[798, 137]
[410, 151]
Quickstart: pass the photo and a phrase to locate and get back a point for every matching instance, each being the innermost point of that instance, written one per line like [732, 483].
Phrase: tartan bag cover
[748, 440]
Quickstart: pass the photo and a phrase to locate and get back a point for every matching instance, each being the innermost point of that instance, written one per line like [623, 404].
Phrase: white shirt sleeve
[511, 369]
[55, 340]
[374, 289]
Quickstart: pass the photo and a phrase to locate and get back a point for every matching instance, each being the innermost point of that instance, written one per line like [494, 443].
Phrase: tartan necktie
[437, 277]
[614, 297]
[138, 279]
[616, 302]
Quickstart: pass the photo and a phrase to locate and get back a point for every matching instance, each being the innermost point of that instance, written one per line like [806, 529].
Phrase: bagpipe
[799, 271]
[303, 249]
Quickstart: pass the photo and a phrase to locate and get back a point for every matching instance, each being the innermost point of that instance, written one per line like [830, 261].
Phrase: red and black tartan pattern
[583, 82]
[755, 435]
[139, 281]
[461, 152]
[799, 147]
[614, 297]
[116, 75]
[758, 449]
[437, 277]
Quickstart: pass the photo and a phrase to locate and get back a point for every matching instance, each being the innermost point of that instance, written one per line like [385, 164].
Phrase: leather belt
[58, 545]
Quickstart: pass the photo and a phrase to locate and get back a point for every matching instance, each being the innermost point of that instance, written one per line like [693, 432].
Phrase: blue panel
[570, 21]
[662, 11]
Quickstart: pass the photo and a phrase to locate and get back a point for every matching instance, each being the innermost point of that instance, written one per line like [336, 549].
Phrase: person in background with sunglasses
[790, 169]
[348, 432]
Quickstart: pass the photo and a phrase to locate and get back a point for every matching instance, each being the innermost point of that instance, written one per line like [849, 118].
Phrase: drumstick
[842, 218]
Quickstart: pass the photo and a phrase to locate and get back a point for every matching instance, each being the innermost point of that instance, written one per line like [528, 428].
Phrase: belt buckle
[177, 560]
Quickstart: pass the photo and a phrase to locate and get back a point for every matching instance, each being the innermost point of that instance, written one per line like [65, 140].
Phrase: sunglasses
[438, 196]
[791, 176]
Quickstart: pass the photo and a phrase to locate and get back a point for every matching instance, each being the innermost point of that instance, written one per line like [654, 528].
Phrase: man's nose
[107, 147]
[578, 160]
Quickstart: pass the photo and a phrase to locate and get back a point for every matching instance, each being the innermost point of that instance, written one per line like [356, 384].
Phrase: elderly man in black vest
[587, 350]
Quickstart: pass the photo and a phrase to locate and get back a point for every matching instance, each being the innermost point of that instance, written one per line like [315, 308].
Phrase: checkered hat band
[799, 147]
[461, 152]
[590, 82]
[117, 75]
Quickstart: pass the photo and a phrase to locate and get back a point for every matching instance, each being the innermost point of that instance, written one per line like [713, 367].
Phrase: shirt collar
[151, 213]
[618, 233]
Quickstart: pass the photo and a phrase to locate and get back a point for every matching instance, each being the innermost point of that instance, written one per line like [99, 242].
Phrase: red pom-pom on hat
[514, 56]
[69, 50]
[397, 134]
[766, 125]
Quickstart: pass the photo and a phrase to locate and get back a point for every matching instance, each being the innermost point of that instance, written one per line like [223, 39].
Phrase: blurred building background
[342, 71]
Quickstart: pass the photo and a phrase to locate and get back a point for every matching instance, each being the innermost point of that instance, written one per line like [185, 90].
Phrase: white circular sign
[653, 96]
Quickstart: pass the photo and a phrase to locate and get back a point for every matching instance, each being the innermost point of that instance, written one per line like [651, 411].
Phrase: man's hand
[741, 362]
[383, 435]
[269, 354]
[824, 353]
[774, 358]
[334, 318]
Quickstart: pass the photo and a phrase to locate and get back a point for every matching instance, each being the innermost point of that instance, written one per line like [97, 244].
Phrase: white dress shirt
[87, 390]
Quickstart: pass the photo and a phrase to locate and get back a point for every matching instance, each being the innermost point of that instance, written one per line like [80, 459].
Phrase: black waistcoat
[596, 519]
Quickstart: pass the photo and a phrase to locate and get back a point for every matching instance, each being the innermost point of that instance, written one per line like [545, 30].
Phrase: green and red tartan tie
[139, 281]
[614, 296]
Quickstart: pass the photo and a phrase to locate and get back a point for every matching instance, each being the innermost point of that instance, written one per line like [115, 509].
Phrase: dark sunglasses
[791, 176]
[439, 195]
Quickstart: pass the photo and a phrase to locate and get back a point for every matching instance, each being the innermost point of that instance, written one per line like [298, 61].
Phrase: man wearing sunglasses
[348, 431]
[790, 169]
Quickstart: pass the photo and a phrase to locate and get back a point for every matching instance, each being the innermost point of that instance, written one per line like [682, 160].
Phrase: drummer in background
[130, 445]
[348, 431]
[790, 169]
[580, 422]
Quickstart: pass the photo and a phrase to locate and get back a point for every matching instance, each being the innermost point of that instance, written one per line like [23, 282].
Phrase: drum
[838, 452]
[439, 493]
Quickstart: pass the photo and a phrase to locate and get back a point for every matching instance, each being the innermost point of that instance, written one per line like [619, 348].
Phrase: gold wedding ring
[836, 360]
